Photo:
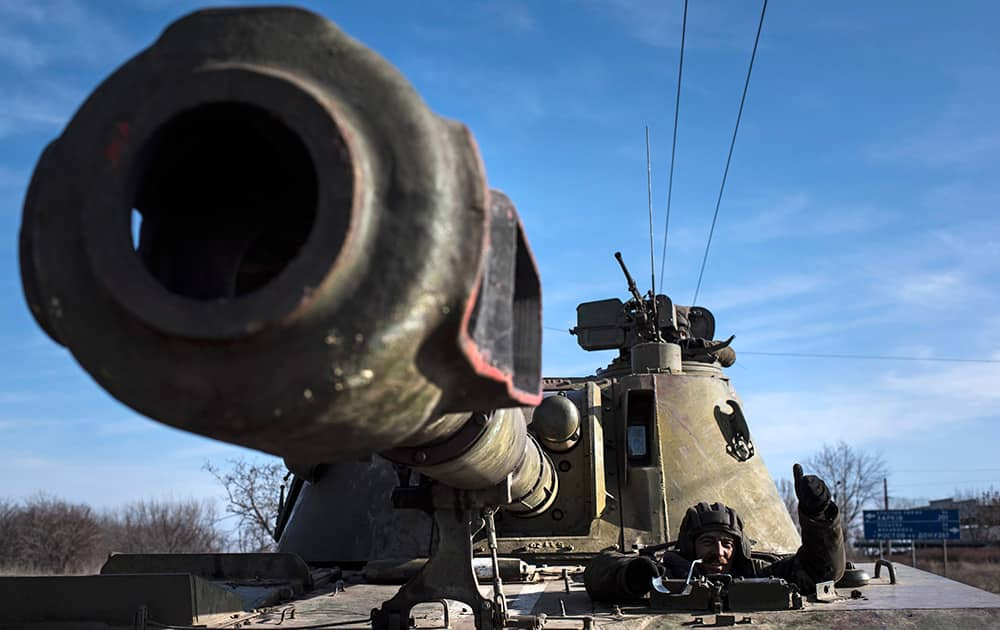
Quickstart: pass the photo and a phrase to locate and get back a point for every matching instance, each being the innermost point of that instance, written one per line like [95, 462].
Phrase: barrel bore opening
[639, 574]
[227, 196]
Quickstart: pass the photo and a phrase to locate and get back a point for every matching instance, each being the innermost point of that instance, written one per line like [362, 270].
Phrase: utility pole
[885, 498]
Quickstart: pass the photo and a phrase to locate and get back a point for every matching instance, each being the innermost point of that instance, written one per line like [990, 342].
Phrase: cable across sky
[673, 144]
[729, 158]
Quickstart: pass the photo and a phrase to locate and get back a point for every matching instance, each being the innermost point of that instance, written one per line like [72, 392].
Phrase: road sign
[911, 525]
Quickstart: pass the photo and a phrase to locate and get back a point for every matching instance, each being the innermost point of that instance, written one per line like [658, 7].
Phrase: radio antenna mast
[649, 200]
[652, 260]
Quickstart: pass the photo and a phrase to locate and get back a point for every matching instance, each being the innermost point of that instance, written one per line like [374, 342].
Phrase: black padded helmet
[716, 517]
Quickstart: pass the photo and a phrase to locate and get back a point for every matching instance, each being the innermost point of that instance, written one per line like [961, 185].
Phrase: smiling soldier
[714, 534]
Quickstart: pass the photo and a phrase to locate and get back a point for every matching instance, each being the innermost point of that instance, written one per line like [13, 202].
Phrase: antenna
[652, 259]
[649, 201]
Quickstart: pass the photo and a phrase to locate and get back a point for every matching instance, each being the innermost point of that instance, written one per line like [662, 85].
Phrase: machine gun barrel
[632, 288]
[647, 320]
[316, 266]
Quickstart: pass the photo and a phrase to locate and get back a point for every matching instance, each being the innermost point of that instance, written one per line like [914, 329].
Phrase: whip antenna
[649, 202]
[652, 258]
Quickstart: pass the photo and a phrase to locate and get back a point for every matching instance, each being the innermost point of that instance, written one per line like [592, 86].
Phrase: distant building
[980, 522]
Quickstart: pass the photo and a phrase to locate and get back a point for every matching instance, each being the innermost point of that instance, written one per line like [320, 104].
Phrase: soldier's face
[716, 551]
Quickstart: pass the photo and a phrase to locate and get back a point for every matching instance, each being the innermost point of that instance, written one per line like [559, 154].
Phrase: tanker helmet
[716, 517]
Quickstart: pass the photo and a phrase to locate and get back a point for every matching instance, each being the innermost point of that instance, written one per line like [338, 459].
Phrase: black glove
[813, 495]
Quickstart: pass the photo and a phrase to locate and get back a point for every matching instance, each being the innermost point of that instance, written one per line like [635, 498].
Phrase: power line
[945, 483]
[673, 146]
[869, 357]
[732, 145]
[862, 357]
[957, 470]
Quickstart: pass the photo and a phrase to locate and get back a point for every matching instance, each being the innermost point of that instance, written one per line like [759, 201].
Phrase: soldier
[714, 534]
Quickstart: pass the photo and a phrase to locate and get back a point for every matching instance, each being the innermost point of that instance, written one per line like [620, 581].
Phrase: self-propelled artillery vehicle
[322, 273]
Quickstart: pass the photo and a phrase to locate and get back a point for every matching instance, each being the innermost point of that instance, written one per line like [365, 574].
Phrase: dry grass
[979, 567]
[28, 570]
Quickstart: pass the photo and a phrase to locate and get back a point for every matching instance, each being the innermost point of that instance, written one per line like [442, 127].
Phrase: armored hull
[343, 599]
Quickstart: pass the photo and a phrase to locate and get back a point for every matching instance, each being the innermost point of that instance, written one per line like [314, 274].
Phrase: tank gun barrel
[316, 268]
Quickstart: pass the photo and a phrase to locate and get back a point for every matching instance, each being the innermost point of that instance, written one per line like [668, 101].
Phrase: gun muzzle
[618, 578]
[257, 231]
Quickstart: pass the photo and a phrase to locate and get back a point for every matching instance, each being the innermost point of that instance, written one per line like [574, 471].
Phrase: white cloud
[974, 247]
[20, 51]
[652, 23]
[682, 239]
[14, 9]
[798, 215]
[769, 291]
[514, 15]
[887, 278]
[556, 89]
[809, 332]
[897, 403]
[37, 106]
[658, 24]
[39, 36]
[928, 289]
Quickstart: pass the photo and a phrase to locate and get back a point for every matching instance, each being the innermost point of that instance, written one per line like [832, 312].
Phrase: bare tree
[853, 475]
[986, 527]
[786, 489]
[166, 527]
[9, 512]
[44, 535]
[55, 536]
[980, 515]
[253, 489]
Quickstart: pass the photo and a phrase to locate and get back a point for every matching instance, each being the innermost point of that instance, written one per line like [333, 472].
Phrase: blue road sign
[911, 525]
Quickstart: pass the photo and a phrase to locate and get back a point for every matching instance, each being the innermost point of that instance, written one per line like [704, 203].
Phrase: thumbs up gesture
[811, 491]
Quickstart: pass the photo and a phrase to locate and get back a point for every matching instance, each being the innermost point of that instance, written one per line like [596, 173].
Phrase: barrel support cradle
[448, 573]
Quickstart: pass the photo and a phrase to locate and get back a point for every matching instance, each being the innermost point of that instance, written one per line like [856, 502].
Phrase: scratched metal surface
[915, 589]
[918, 600]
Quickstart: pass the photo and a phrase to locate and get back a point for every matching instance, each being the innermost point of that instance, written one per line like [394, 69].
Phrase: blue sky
[859, 216]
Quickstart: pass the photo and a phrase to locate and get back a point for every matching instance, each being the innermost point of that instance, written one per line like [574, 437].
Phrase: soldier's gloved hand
[811, 491]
